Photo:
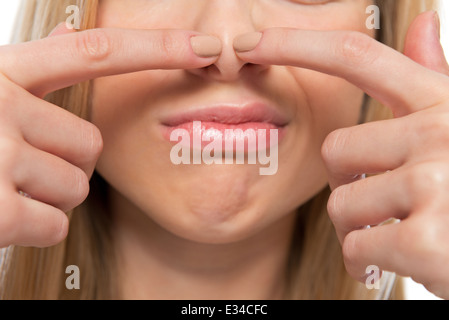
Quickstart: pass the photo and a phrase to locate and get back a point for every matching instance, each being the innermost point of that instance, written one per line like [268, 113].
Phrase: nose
[226, 19]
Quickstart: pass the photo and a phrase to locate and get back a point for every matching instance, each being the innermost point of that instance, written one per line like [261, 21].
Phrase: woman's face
[228, 202]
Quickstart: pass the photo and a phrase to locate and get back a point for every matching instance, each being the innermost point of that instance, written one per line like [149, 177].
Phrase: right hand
[46, 151]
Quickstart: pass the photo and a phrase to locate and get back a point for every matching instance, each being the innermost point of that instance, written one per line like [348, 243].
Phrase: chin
[217, 208]
[214, 230]
[217, 222]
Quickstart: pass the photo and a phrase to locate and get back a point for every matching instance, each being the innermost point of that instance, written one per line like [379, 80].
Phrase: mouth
[248, 127]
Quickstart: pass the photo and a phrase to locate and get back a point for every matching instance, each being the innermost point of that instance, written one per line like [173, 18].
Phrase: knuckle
[424, 244]
[9, 153]
[434, 128]
[441, 126]
[7, 94]
[438, 120]
[4, 92]
[8, 145]
[169, 46]
[424, 240]
[95, 45]
[426, 182]
[355, 48]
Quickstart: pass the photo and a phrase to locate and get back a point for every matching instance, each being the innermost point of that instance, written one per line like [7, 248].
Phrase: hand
[408, 154]
[47, 152]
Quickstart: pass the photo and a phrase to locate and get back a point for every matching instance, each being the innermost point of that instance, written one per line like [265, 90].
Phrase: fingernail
[247, 42]
[436, 17]
[206, 46]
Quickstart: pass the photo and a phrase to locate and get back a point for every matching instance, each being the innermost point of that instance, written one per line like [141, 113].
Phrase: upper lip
[229, 113]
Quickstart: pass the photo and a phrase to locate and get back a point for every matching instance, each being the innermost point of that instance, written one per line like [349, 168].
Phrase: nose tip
[226, 20]
[228, 66]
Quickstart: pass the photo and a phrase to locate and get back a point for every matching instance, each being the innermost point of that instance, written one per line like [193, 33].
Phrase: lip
[215, 121]
[231, 114]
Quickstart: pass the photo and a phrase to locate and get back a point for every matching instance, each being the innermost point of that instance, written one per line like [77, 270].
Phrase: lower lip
[202, 136]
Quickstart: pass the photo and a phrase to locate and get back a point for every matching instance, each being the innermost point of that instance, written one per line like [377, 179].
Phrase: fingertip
[58, 234]
[61, 29]
[205, 46]
[247, 42]
[63, 229]
[423, 43]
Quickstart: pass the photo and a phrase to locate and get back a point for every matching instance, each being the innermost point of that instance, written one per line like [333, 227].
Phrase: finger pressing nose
[225, 20]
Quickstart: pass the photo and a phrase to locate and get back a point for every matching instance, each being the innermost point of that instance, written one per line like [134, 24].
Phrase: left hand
[409, 154]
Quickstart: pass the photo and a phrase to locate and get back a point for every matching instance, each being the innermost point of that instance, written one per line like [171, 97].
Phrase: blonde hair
[315, 270]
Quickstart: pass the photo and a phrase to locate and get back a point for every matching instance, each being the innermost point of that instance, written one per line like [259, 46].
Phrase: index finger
[46, 65]
[380, 71]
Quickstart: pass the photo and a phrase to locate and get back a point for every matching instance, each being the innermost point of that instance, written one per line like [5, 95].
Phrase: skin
[195, 208]
[237, 232]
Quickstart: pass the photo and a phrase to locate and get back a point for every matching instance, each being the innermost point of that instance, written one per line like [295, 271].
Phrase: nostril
[212, 69]
[254, 69]
[219, 73]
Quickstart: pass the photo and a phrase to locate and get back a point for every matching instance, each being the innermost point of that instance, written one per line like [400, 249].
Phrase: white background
[8, 11]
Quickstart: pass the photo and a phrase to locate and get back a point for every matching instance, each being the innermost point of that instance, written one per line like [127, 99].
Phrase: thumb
[61, 29]
[422, 43]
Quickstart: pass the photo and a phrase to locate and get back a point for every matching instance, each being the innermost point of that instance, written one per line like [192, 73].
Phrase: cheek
[335, 15]
[119, 102]
[145, 14]
[332, 102]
